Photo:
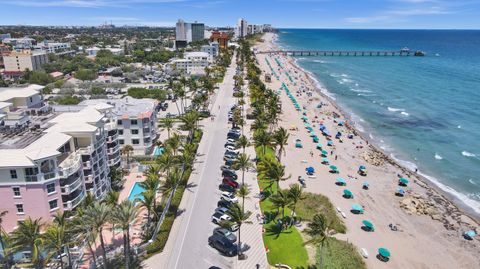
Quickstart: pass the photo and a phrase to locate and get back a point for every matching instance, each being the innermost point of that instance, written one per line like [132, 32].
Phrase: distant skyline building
[242, 28]
[188, 32]
[198, 31]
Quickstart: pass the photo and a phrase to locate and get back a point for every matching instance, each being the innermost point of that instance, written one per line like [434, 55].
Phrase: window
[53, 204]
[20, 209]
[133, 122]
[119, 122]
[50, 187]
[31, 100]
[135, 141]
[16, 192]
[13, 173]
[146, 140]
[120, 132]
[134, 131]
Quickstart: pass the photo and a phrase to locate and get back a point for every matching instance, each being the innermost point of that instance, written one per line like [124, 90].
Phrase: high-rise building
[242, 28]
[27, 59]
[198, 31]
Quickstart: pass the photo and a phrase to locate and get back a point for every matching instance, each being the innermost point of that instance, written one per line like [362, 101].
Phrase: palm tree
[27, 236]
[124, 215]
[165, 162]
[262, 139]
[174, 143]
[2, 214]
[98, 216]
[148, 202]
[280, 138]
[189, 121]
[243, 163]
[62, 220]
[167, 123]
[54, 240]
[238, 216]
[243, 192]
[111, 200]
[276, 173]
[127, 151]
[295, 193]
[318, 229]
[7, 249]
[281, 200]
[242, 142]
[83, 232]
[171, 181]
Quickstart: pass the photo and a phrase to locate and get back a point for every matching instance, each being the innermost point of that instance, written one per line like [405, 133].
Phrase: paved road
[190, 248]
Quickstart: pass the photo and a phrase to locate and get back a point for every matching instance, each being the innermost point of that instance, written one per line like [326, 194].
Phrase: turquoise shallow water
[424, 111]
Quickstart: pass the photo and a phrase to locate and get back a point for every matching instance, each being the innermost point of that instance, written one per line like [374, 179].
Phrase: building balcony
[73, 186]
[69, 205]
[89, 179]
[113, 150]
[86, 151]
[87, 165]
[32, 178]
[113, 138]
[70, 165]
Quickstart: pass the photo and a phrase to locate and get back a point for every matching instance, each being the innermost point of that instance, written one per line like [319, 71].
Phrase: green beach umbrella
[315, 139]
[384, 252]
[324, 153]
[403, 181]
[368, 224]
[347, 193]
[319, 146]
[325, 160]
[333, 167]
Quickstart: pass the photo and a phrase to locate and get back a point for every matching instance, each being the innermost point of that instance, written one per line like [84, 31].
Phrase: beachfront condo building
[23, 60]
[194, 63]
[131, 121]
[51, 165]
[212, 50]
[242, 28]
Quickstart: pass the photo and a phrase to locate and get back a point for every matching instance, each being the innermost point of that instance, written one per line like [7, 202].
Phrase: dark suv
[223, 245]
[229, 173]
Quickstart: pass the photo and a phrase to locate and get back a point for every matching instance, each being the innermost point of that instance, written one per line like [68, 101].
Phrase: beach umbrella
[324, 153]
[315, 139]
[309, 128]
[329, 143]
[357, 208]
[341, 181]
[365, 185]
[368, 224]
[334, 168]
[347, 193]
[470, 234]
[322, 127]
[403, 181]
[400, 191]
[310, 170]
[340, 123]
[319, 146]
[384, 252]
[324, 160]
[304, 118]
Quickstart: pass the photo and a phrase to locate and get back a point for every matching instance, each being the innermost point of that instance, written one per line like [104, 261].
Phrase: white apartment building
[51, 167]
[194, 63]
[27, 59]
[53, 47]
[242, 28]
[21, 43]
[94, 50]
[135, 121]
[212, 49]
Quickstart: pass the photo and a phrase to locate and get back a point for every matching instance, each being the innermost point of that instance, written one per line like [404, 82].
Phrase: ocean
[422, 111]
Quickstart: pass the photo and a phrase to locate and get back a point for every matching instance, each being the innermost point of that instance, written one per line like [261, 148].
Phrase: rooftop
[127, 107]
[20, 92]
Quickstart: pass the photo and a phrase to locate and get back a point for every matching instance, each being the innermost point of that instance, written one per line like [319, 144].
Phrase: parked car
[233, 135]
[225, 233]
[223, 245]
[226, 187]
[219, 217]
[222, 210]
[230, 157]
[230, 182]
[223, 203]
[229, 173]
[229, 162]
[232, 149]
[231, 153]
[231, 140]
[228, 196]
[230, 145]
[225, 167]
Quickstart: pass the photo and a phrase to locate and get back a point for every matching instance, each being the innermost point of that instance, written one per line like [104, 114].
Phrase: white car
[228, 196]
[232, 149]
[219, 217]
[230, 140]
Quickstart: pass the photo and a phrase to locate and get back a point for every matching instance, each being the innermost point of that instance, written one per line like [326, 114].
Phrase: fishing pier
[402, 52]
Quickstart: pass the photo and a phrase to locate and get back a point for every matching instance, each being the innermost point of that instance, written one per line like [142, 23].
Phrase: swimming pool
[158, 151]
[136, 192]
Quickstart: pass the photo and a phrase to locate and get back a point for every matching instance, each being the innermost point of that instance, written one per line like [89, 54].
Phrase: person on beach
[336, 157]
[311, 153]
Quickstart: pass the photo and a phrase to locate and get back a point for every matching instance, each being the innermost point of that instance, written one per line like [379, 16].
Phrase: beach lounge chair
[298, 143]
[364, 253]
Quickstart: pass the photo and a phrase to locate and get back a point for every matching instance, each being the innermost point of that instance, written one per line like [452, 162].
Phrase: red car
[230, 182]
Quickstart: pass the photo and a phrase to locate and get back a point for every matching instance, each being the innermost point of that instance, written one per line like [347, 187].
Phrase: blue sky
[425, 14]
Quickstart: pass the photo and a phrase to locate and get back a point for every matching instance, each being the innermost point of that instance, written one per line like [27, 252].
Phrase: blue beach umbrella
[347, 193]
[310, 170]
[357, 208]
[400, 192]
[341, 181]
[329, 143]
[365, 185]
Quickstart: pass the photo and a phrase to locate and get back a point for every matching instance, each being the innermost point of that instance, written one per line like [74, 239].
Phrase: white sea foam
[404, 113]
[438, 157]
[472, 181]
[459, 126]
[468, 154]
[344, 75]
[392, 109]
[356, 84]
[359, 90]
[320, 61]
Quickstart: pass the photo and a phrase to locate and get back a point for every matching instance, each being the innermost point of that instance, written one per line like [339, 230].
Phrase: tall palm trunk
[92, 253]
[104, 252]
[321, 254]
[239, 241]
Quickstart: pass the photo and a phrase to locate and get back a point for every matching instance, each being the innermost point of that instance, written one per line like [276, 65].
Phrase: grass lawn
[317, 203]
[338, 254]
[285, 246]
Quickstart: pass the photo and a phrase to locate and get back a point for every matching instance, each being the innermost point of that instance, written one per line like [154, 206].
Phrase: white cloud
[86, 3]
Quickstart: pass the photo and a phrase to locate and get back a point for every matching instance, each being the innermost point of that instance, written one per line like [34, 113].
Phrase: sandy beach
[429, 226]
